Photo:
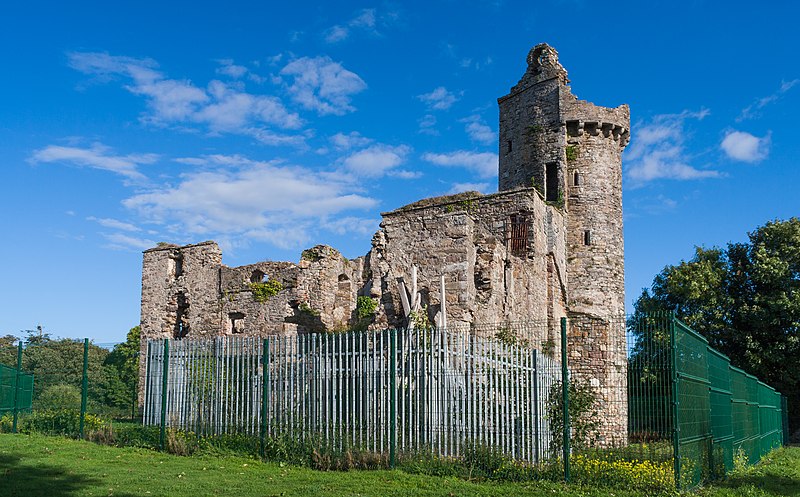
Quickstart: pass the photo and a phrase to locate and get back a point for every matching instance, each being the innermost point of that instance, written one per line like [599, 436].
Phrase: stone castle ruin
[547, 245]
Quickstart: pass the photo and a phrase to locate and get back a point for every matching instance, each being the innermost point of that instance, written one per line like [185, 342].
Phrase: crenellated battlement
[616, 132]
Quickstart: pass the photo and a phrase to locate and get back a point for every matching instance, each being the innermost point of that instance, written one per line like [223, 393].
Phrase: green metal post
[565, 396]
[264, 396]
[676, 445]
[164, 383]
[84, 386]
[392, 399]
[16, 386]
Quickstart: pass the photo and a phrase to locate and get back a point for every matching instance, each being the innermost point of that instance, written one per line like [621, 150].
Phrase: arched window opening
[587, 237]
[258, 276]
[576, 179]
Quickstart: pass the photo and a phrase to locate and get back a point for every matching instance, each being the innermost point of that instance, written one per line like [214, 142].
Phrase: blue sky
[271, 127]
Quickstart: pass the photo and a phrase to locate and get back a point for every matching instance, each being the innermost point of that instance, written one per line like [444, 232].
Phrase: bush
[58, 422]
[60, 396]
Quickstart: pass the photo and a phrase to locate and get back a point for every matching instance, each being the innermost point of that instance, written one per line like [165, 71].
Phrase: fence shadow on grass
[772, 484]
[18, 479]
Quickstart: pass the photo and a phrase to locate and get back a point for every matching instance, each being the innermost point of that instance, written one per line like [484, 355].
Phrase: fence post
[565, 396]
[84, 386]
[264, 396]
[164, 383]
[392, 397]
[16, 385]
[673, 343]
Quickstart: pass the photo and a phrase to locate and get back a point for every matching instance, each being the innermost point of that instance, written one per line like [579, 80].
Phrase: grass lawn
[36, 465]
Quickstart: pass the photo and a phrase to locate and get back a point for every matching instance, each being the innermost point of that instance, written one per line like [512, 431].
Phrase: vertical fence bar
[675, 405]
[84, 386]
[565, 396]
[164, 382]
[17, 378]
[264, 395]
[392, 398]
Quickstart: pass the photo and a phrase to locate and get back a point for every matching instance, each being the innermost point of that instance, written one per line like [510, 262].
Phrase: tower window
[576, 179]
[176, 264]
[587, 237]
[235, 320]
[518, 241]
[181, 324]
[508, 147]
[551, 181]
[257, 276]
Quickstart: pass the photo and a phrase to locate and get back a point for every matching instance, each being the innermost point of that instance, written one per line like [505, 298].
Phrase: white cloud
[354, 139]
[439, 99]
[484, 164]
[377, 160]
[468, 187]
[228, 68]
[222, 107]
[320, 84]
[742, 146]
[364, 21]
[97, 156]
[405, 174]
[113, 224]
[238, 198]
[350, 224]
[121, 241]
[658, 150]
[426, 125]
[753, 110]
[478, 130]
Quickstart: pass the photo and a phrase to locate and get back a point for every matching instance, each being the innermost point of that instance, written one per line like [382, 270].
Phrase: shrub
[60, 396]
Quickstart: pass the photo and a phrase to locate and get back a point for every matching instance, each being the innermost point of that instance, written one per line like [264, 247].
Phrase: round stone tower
[570, 150]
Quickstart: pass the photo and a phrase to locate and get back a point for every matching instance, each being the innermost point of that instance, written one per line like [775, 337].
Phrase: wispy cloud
[478, 130]
[322, 85]
[376, 160]
[745, 147]
[97, 156]
[427, 125]
[369, 21]
[237, 198]
[469, 187]
[113, 224]
[754, 110]
[346, 141]
[439, 98]
[658, 150]
[484, 164]
[221, 107]
[121, 241]
[228, 68]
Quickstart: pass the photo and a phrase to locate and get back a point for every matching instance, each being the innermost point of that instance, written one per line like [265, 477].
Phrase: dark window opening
[181, 324]
[551, 181]
[576, 179]
[508, 147]
[587, 237]
[236, 318]
[518, 241]
[177, 264]
[572, 128]
[258, 277]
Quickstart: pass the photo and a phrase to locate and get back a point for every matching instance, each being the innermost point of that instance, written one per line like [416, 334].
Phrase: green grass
[33, 465]
[777, 474]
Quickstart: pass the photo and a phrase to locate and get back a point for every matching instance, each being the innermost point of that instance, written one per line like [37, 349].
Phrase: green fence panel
[721, 413]
[694, 405]
[8, 386]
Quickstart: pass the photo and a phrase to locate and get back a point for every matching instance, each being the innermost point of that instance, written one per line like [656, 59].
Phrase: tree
[745, 299]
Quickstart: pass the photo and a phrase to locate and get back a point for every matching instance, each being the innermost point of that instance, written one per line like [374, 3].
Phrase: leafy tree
[745, 299]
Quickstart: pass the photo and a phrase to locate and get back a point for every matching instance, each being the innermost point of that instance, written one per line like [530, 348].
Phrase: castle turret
[571, 151]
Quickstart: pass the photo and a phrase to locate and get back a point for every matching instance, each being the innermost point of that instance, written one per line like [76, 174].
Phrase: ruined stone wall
[467, 238]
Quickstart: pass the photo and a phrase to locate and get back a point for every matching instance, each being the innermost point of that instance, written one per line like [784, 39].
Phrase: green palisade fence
[11, 391]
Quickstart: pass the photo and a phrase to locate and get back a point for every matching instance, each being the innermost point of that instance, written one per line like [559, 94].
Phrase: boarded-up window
[518, 239]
